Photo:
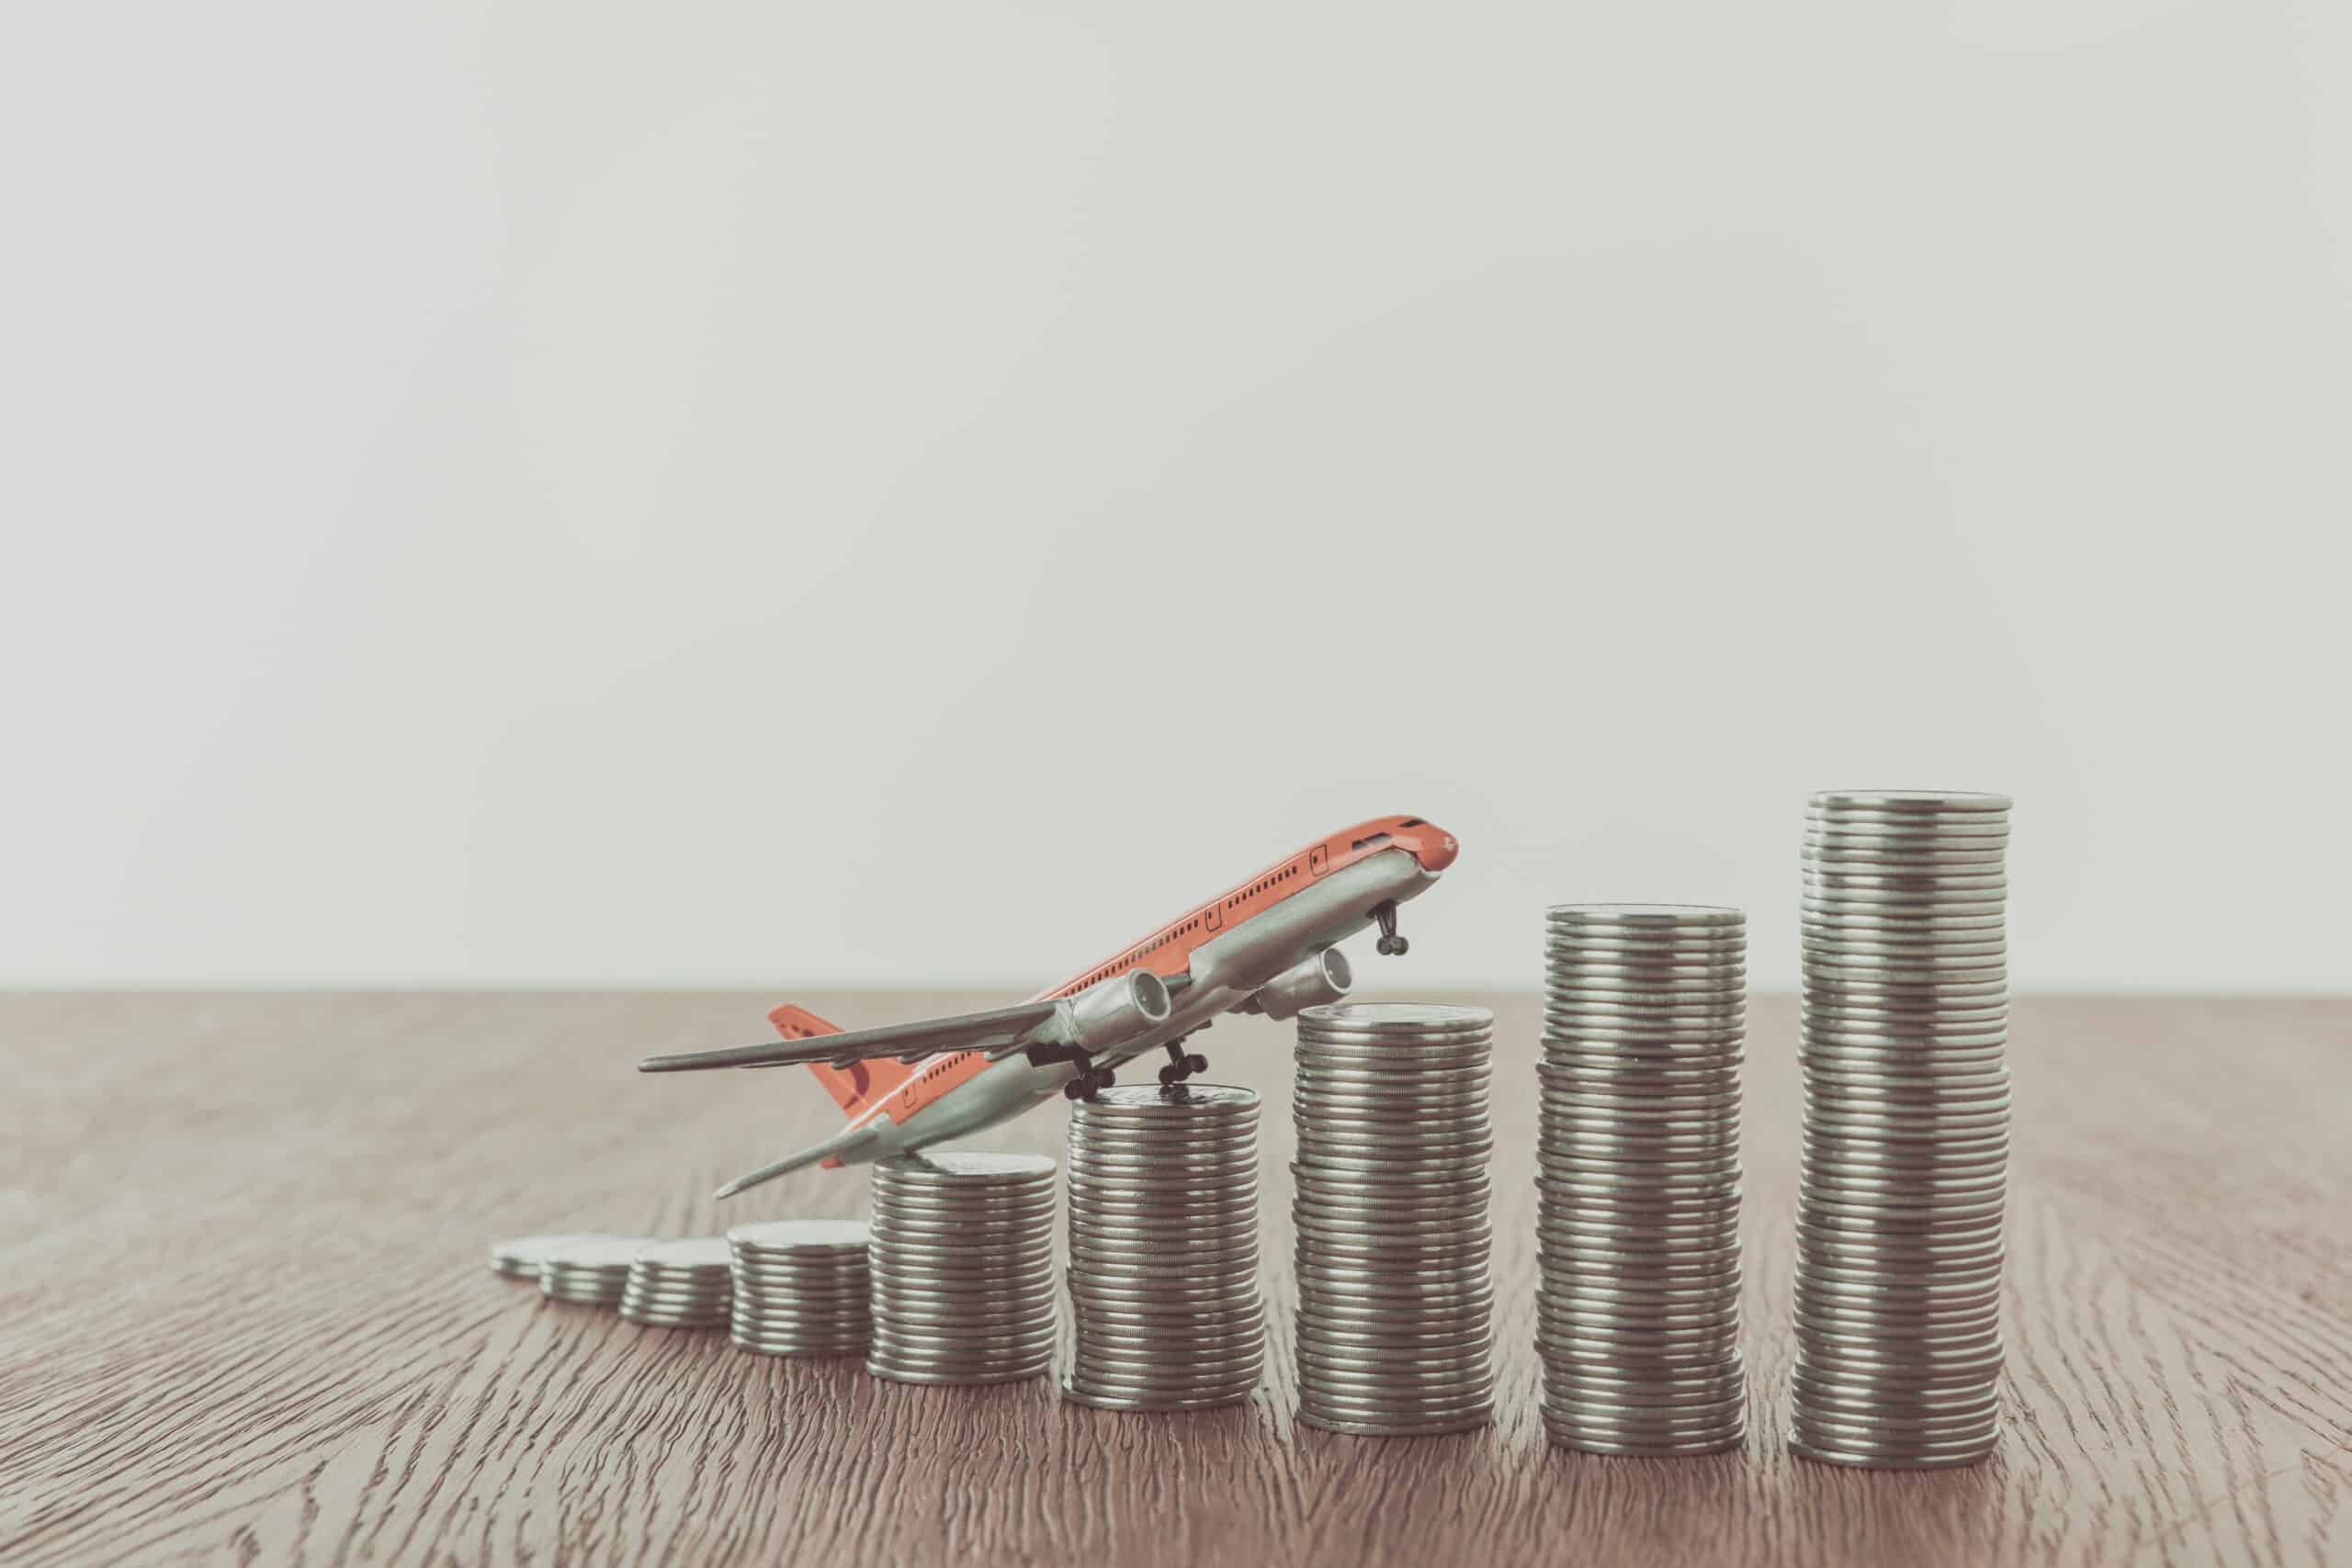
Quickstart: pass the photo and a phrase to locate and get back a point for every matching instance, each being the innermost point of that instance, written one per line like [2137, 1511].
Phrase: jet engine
[1118, 1008]
[1322, 977]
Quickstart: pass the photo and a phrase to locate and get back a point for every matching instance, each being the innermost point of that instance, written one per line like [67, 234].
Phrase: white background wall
[757, 493]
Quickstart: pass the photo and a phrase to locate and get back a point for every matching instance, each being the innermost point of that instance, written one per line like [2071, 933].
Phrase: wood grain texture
[247, 1317]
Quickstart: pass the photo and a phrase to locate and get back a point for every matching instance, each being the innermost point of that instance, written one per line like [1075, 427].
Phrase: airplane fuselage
[1231, 948]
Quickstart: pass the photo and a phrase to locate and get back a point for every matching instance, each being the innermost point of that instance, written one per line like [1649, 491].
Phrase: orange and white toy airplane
[1268, 946]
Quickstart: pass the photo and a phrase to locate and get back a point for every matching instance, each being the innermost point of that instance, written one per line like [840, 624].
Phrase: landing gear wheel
[1090, 1083]
[1390, 944]
[1179, 1066]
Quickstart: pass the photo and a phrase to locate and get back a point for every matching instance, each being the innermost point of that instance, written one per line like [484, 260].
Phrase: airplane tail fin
[854, 1087]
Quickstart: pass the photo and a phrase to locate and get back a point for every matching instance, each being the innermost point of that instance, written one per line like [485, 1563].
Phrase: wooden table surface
[247, 1316]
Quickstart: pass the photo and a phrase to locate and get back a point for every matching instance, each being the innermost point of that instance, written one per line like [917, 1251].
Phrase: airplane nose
[1437, 850]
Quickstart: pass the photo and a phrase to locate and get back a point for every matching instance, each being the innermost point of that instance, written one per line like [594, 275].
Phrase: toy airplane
[1268, 946]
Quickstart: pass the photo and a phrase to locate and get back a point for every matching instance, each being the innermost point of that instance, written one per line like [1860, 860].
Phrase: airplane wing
[999, 1031]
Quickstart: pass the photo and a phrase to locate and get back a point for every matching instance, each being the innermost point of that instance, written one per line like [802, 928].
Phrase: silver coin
[796, 1237]
[1467, 1421]
[1330, 1361]
[1037, 1210]
[931, 1297]
[1614, 965]
[1360, 1140]
[788, 1331]
[1317, 1407]
[1427, 1075]
[797, 1281]
[1563, 1438]
[595, 1252]
[1910, 803]
[1094, 1132]
[1075, 1394]
[961, 1338]
[813, 1350]
[1834, 847]
[1576, 989]
[909, 1374]
[1671, 917]
[1603, 1386]
[1191, 1230]
[1575, 1407]
[1354, 1287]
[1122, 1291]
[1190, 1102]
[1466, 1304]
[1214, 1335]
[1401, 1404]
[998, 1269]
[839, 1305]
[1178, 1376]
[521, 1256]
[975, 1310]
[963, 1168]
[1170, 1165]
[834, 1304]
[1408, 1018]
[1173, 1199]
[979, 1197]
[673, 1285]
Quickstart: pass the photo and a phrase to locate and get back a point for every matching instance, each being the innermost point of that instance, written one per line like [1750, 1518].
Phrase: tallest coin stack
[1906, 1120]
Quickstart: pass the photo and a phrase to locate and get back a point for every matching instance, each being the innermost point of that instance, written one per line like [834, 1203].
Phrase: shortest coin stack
[591, 1270]
[680, 1284]
[963, 1268]
[801, 1287]
[521, 1256]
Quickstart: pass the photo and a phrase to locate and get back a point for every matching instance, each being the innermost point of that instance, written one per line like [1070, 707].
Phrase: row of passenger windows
[1263, 884]
[1129, 962]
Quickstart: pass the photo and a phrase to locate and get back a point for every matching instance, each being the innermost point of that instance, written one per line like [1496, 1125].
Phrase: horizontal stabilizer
[906, 1042]
[844, 1146]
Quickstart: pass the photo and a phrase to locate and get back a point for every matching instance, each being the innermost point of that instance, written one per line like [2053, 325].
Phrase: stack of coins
[1637, 1314]
[589, 1270]
[680, 1284]
[963, 1268]
[521, 1256]
[1906, 1024]
[800, 1288]
[1395, 1304]
[1163, 1248]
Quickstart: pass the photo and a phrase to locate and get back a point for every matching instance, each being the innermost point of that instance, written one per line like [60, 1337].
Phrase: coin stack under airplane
[1905, 1015]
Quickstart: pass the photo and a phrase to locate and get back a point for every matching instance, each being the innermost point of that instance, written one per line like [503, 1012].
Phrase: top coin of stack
[591, 1270]
[1164, 1247]
[801, 1288]
[1904, 1031]
[963, 1267]
[680, 1284]
[1395, 1311]
[521, 1256]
